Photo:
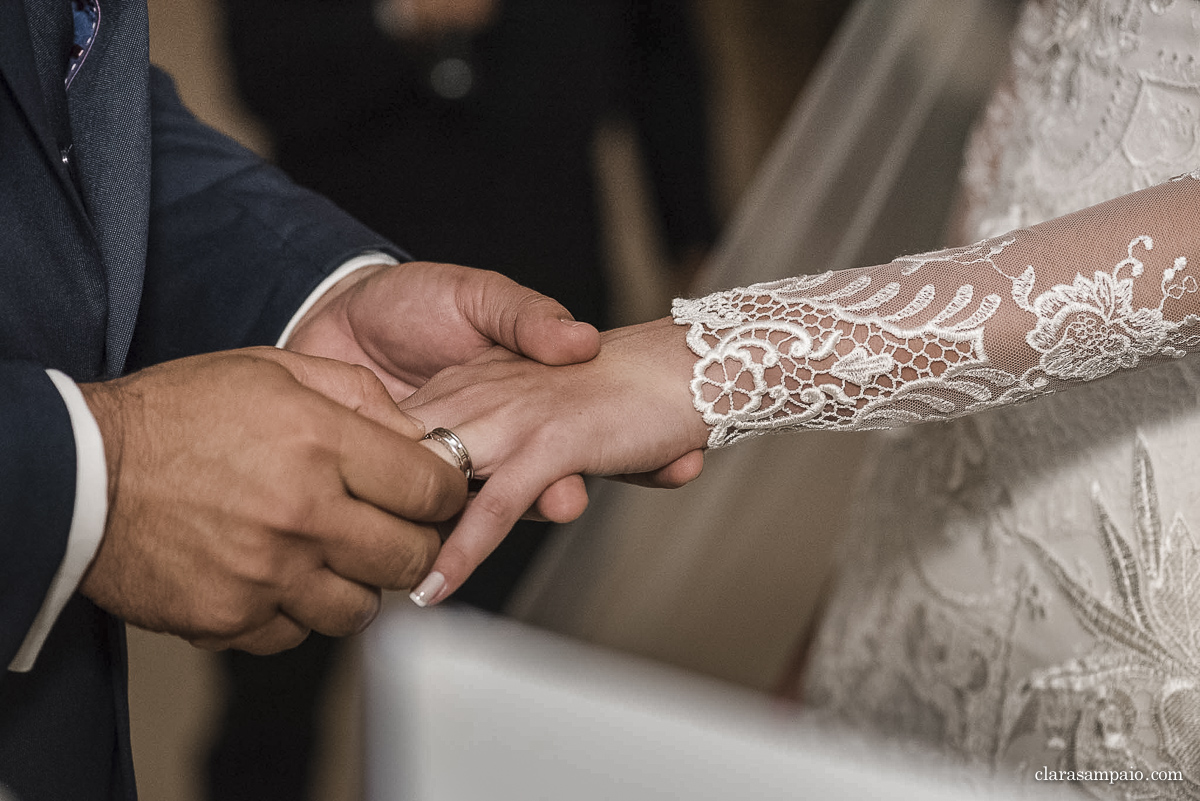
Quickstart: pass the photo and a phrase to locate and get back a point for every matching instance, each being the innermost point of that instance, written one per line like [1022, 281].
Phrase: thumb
[525, 321]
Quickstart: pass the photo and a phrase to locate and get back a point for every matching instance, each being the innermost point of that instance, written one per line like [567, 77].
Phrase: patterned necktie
[86, 20]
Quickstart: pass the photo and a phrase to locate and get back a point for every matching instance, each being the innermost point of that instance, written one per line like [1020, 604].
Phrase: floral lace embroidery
[838, 351]
[1090, 329]
[993, 601]
[1102, 102]
[1142, 673]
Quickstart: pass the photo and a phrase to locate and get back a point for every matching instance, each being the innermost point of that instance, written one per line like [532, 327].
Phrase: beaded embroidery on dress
[1024, 591]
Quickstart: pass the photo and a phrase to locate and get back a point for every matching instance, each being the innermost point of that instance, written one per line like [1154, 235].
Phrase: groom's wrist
[330, 290]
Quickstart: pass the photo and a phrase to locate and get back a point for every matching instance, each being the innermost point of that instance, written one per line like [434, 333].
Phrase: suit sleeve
[37, 492]
[235, 247]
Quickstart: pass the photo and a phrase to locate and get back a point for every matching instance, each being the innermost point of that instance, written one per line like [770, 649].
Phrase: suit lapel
[109, 110]
[110, 118]
[18, 66]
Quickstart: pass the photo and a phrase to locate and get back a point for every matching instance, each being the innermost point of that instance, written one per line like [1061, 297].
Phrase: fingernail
[428, 589]
[368, 615]
[570, 323]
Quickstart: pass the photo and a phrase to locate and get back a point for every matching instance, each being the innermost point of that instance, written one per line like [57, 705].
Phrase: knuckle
[346, 617]
[210, 644]
[293, 639]
[492, 507]
[547, 439]
[412, 557]
[226, 619]
[370, 388]
[295, 404]
[263, 645]
[455, 561]
[294, 513]
[360, 613]
[261, 364]
[428, 547]
[370, 610]
[422, 487]
[259, 562]
[437, 491]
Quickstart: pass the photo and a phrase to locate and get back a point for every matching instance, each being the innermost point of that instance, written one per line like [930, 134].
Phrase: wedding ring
[450, 440]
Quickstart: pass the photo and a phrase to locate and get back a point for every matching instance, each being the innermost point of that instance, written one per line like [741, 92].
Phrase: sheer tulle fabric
[883, 121]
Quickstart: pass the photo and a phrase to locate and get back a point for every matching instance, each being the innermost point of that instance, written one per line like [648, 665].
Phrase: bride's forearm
[942, 334]
[926, 337]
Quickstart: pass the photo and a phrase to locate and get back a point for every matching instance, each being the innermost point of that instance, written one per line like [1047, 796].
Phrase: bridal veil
[724, 576]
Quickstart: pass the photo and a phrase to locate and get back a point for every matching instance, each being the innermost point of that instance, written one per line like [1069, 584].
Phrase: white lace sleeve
[938, 335]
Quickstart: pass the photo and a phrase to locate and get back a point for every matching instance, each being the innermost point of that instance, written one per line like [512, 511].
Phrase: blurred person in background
[465, 129]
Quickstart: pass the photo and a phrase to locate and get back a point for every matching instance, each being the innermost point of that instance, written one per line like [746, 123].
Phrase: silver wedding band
[455, 445]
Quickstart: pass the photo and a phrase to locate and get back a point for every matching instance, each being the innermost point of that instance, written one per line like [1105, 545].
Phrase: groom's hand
[408, 322]
[257, 494]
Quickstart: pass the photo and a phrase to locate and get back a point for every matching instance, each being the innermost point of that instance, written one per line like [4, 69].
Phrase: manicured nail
[428, 589]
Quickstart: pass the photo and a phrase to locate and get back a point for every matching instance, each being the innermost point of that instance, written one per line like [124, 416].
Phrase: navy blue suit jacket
[158, 238]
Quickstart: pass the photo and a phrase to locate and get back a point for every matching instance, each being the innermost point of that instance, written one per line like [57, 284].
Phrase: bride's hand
[532, 430]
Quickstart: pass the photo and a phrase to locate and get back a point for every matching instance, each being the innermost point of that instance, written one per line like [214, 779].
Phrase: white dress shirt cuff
[87, 519]
[357, 263]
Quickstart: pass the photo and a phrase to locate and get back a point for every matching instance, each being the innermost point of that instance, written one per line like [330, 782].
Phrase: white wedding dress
[1022, 587]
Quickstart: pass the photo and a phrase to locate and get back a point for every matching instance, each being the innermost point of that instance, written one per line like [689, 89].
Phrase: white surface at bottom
[461, 706]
